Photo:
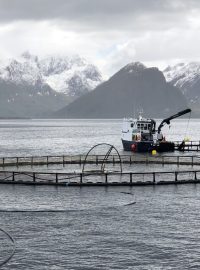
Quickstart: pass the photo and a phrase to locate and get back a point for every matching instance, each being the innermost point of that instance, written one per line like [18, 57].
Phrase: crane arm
[167, 120]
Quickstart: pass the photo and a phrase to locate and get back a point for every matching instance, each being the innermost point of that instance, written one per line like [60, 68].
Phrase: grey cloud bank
[111, 33]
[96, 12]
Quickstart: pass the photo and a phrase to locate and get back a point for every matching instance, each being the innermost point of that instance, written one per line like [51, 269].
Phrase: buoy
[154, 152]
[186, 139]
[133, 147]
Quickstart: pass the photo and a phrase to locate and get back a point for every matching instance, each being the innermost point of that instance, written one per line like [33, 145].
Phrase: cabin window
[131, 124]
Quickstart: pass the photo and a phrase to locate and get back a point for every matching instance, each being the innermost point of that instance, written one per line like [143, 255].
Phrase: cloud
[110, 33]
[96, 14]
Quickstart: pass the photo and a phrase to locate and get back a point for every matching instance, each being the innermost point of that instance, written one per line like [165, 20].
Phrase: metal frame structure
[111, 147]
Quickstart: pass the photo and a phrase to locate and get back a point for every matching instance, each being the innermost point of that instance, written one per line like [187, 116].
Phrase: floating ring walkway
[99, 177]
[99, 159]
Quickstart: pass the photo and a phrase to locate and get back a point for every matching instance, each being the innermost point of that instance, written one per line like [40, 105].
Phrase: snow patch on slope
[182, 74]
[68, 75]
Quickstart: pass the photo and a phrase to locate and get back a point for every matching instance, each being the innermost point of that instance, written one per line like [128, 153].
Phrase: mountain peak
[134, 67]
[62, 74]
[143, 88]
[28, 56]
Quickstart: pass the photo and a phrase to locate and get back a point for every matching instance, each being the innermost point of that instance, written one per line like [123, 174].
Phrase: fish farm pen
[99, 159]
[100, 179]
[103, 169]
[92, 170]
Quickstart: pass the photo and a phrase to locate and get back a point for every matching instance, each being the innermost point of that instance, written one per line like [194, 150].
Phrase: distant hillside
[132, 89]
[21, 101]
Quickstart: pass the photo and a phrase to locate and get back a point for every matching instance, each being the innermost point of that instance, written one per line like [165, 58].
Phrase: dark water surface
[95, 228]
[101, 229]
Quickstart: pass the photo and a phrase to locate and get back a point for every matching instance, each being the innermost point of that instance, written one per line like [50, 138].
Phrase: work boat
[140, 135]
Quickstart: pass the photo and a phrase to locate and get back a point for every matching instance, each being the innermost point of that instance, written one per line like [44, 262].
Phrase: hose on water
[128, 193]
[65, 210]
[6, 260]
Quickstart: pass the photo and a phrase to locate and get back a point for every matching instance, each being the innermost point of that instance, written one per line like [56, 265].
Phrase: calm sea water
[95, 228]
[58, 137]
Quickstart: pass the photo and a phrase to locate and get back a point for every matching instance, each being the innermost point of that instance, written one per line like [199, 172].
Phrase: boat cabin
[140, 129]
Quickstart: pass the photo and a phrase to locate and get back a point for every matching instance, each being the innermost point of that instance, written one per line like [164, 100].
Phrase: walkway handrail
[92, 178]
[98, 159]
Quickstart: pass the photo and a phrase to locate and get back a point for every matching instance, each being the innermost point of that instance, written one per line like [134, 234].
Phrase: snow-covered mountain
[33, 87]
[132, 88]
[72, 76]
[187, 78]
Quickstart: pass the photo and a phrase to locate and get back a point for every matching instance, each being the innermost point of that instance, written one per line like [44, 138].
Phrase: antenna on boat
[133, 112]
[140, 113]
[134, 109]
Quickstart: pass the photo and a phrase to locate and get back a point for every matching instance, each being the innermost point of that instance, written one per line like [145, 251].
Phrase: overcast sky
[109, 33]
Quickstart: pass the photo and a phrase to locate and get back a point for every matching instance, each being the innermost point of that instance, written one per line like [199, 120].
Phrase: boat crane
[167, 120]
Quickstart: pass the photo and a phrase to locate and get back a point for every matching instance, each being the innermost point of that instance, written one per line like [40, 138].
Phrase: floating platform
[99, 159]
[100, 179]
[190, 146]
[95, 176]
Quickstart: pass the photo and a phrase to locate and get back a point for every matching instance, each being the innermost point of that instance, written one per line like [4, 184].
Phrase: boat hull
[147, 146]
